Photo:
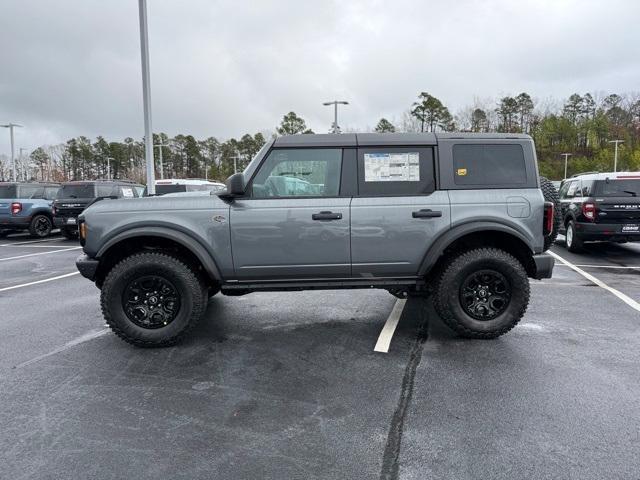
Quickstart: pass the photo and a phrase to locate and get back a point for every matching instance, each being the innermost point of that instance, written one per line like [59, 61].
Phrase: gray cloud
[225, 68]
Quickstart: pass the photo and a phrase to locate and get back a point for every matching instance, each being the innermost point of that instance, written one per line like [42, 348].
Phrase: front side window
[476, 164]
[299, 172]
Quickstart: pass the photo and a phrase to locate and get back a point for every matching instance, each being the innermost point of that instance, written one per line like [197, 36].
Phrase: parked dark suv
[74, 197]
[600, 206]
[27, 206]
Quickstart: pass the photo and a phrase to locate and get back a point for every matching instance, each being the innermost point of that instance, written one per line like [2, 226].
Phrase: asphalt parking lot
[287, 385]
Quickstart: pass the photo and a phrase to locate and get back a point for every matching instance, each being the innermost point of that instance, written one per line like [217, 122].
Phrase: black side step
[320, 284]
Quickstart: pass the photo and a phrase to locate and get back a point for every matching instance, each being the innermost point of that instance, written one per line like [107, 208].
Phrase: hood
[199, 202]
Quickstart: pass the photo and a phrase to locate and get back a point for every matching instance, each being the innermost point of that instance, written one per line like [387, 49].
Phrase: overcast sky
[224, 68]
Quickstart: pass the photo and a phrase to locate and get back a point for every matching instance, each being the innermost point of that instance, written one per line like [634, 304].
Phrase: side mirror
[235, 186]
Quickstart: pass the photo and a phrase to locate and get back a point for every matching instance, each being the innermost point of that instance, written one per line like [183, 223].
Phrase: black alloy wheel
[485, 294]
[151, 301]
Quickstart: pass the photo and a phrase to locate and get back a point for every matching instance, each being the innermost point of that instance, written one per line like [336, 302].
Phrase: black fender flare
[187, 241]
[458, 231]
[41, 211]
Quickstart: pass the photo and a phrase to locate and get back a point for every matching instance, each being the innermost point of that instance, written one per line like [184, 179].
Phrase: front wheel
[68, 233]
[573, 240]
[482, 293]
[152, 299]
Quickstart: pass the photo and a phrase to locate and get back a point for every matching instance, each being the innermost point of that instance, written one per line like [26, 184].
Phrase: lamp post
[335, 128]
[615, 156]
[160, 145]
[109, 167]
[566, 156]
[11, 126]
[146, 97]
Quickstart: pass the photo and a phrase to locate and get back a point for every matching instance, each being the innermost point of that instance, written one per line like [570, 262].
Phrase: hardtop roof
[605, 175]
[385, 139]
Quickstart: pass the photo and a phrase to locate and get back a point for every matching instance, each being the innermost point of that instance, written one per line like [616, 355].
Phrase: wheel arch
[476, 234]
[158, 238]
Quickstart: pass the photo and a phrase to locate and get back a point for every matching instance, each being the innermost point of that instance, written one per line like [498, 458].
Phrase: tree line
[582, 124]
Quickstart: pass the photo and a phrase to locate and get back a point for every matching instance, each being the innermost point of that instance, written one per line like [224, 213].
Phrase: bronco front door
[293, 223]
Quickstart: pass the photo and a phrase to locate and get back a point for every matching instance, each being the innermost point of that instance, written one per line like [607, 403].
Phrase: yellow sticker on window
[462, 172]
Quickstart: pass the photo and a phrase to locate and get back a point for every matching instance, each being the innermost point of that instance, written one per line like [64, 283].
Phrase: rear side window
[7, 191]
[395, 171]
[106, 190]
[618, 188]
[476, 164]
[30, 191]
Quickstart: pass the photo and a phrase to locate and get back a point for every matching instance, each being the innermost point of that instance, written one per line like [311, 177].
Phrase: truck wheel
[482, 293]
[550, 194]
[40, 226]
[572, 238]
[152, 299]
[68, 234]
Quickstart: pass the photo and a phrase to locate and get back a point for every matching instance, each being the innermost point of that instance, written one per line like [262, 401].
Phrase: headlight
[82, 231]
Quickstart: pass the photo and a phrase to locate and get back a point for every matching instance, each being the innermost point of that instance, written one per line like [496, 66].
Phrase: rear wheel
[152, 299]
[482, 293]
[573, 240]
[40, 226]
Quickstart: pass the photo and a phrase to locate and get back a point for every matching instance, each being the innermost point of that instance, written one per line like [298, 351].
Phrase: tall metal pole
[10, 126]
[146, 94]
[335, 103]
[566, 156]
[615, 156]
[160, 145]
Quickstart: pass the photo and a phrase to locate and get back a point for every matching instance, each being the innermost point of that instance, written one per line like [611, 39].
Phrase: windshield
[618, 188]
[76, 191]
[7, 191]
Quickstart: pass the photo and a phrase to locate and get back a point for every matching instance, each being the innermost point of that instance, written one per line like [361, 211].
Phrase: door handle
[326, 216]
[426, 213]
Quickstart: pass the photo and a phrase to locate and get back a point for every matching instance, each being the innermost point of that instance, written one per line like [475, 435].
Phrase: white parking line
[77, 341]
[384, 340]
[35, 254]
[603, 266]
[39, 281]
[32, 241]
[15, 245]
[629, 301]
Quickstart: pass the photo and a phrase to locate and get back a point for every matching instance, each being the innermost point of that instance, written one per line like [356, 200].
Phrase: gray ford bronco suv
[460, 217]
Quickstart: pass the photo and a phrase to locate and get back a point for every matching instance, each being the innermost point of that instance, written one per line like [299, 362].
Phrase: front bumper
[63, 222]
[544, 265]
[87, 266]
[607, 231]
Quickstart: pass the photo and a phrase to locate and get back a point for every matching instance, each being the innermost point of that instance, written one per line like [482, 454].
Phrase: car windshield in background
[7, 191]
[76, 191]
[177, 188]
[618, 188]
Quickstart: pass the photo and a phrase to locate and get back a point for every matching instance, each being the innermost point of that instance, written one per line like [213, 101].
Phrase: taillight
[16, 208]
[589, 210]
[549, 211]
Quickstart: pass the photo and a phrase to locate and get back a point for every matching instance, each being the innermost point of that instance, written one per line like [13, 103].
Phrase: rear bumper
[87, 266]
[606, 231]
[12, 222]
[544, 265]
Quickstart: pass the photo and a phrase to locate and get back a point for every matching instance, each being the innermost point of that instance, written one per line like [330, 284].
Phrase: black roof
[384, 139]
[101, 181]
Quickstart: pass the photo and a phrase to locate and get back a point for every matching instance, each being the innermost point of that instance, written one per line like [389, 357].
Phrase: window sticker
[127, 192]
[462, 172]
[392, 167]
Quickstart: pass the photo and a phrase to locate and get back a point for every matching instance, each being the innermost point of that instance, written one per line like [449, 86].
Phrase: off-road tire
[189, 285]
[68, 234]
[573, 241]
[550, 194]
[447, 292]
[40, 226]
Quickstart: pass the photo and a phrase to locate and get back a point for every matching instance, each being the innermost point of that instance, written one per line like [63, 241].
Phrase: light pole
[235, 163]
[335, 103]
[566, 156]
[10, 126]
[615, 156]
[160, 145]
[146, 97]
[109, 167]
[23, 167]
